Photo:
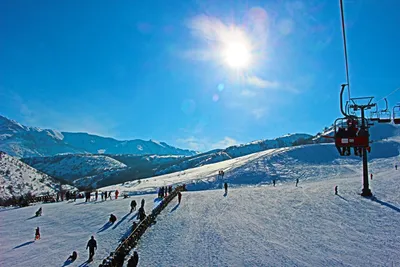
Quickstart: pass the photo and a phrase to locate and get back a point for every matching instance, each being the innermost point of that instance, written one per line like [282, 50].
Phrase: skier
[179, 197]
[96, 195]
[226, 188]
[112, 218]
[92, 244]
[134, 260]
[102, 196]
[336, 190]
[142, 204]
[39, 212]
[116, 194]
[133, 205]
[297, 181]
[395, 167]
[273, 181]
[73, 256]
[372, 176]
[37, 233]
[109, 194]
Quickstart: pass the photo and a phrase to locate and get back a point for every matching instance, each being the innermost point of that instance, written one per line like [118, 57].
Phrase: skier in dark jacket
[142, 204]
[92, 244]
[297, 181]
[133, 205]
[141, 214]
[39, 212]
[179, 197]
[226, 188]
[73, 256]
[134, 260]
[336, 190]
[113, 219]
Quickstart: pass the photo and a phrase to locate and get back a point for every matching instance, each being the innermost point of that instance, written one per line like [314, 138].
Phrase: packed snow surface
[257, 225]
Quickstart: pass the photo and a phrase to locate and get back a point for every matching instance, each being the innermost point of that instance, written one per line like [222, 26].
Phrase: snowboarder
[112, 218]
[226, 188]
[73, 256]
[142, 204]
[96, 195]
[37, 233]
[116, 194]
[92, 244]
[273, 181]
[133, 205]
[297, 181]
[336, 190]
[134, 260]
[179, 197]
[39, 212]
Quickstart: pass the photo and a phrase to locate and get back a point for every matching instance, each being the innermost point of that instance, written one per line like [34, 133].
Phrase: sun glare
[236, 55]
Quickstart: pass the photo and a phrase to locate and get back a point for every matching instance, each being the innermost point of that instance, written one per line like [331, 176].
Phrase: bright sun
[236, 55]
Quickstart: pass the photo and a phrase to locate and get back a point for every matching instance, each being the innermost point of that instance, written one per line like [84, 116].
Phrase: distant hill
[18, 178]
[23, 141]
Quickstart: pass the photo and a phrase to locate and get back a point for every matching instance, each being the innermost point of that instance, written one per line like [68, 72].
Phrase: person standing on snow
[133, 205]
[395, 167]
[96, 195]
[37, 234]
[116, 194]
[297, 181]
[134, 260]
[179, 197]
[226, 188]
[372, 176]
[92, 244]
[273, 181]
[336, 190]
[142, 204]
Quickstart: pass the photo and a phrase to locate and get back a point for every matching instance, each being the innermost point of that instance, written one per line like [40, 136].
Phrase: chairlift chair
[374, 115]
[385, 116]
[349, 139]
[396, 114]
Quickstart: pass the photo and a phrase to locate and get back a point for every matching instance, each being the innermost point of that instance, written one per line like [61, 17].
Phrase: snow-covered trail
[64, 227]
[281, 226]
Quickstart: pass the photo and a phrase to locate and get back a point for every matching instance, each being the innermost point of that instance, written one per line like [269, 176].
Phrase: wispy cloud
[193, 143]
[248, 93]
[261, 83]
[204, 144]
[224, 143]
[258, 113]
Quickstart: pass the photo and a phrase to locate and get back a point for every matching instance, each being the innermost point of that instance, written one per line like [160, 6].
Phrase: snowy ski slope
[64, 227]
[251, 226]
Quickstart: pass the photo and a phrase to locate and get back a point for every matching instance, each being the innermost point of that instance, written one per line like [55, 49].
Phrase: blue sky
[153, 69]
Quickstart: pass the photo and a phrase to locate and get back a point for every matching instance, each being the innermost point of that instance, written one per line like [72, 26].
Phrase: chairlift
[396, 114]
[374, 115]
[348, 135]
[385, 116]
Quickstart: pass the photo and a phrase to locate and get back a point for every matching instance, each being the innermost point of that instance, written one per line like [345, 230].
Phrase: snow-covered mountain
[76, 168]
[18, 178]
[236, 151]
[102, 170]
[23, 141]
